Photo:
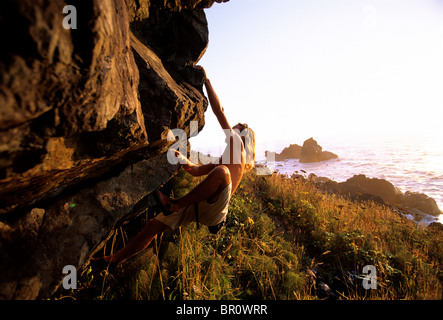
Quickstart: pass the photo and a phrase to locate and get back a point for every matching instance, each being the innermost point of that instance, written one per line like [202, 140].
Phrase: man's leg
[139, 242]
[218, 179]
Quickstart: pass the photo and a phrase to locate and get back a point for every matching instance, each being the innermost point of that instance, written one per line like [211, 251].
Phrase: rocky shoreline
[415, 206]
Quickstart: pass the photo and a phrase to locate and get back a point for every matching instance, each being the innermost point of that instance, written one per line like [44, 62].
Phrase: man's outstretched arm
[215, 103]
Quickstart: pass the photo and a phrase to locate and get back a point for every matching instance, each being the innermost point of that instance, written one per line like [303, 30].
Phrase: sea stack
[312, 152]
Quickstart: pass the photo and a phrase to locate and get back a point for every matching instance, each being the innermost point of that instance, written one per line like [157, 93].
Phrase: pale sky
[294, 69]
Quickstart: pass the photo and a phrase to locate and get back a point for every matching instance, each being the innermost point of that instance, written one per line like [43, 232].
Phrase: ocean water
[411, 164]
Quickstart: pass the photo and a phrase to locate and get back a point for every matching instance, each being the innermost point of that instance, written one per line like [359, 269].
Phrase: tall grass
[283, 237]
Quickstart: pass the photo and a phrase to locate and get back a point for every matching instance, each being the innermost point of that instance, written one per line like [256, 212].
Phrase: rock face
[312, 152]
[84, 117]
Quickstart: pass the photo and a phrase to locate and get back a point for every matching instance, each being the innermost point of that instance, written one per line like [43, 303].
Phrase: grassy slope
[279, 233]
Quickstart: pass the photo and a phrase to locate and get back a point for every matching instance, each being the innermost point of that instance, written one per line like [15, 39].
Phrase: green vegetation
[283, 237]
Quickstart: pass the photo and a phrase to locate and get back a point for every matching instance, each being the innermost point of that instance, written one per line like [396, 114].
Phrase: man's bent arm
[197, 170]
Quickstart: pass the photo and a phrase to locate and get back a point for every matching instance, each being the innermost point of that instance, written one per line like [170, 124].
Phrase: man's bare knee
[223, 174]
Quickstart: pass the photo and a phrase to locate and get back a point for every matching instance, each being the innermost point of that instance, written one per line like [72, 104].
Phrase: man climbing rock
[208, 202]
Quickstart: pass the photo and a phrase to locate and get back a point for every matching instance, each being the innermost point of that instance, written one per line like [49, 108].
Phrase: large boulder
[178, 53]
[420, 202]
[360, 184]
[70, 229]
[361, 187]
[312, 152]
[84, 118]
[386, 191]
[68, 97]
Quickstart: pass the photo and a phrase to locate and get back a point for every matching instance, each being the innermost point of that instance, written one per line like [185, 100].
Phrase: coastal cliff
[85, 114]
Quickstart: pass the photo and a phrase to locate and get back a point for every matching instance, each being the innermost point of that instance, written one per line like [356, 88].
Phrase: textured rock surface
[68, 97]
[68, 231]
[84, 115]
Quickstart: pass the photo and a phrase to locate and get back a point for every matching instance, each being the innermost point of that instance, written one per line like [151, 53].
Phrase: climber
[208, 202]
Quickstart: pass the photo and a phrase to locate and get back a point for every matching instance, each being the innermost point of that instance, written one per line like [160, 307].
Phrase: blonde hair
[248, 139]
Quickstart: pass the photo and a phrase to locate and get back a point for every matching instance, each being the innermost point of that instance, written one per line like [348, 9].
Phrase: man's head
[248, 139]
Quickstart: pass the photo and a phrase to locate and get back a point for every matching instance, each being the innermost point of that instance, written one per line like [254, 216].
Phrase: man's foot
[166, 204]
